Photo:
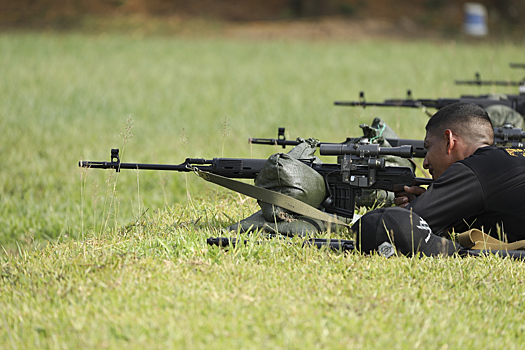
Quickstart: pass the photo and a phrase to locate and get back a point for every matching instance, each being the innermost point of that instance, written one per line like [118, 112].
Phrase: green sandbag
[285, 174]
[500, 115]
[301, 226]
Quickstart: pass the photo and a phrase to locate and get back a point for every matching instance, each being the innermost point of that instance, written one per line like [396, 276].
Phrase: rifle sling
[271, 197]
[478, 240]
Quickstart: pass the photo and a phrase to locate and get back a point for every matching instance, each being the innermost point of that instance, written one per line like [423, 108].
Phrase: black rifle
[418, 149]
[246, 168]
[477, 81]
[334, 243]
[516, 102]
[504, 136]
[507, 136]
[517, 65]
[359, 167]
[343, 245]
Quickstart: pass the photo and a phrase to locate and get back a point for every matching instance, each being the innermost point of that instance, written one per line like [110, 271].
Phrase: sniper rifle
[343, 245]
[504, 136]
[516, 102]
[507, 136]
[359, 167]
[336, 244]
[517, 65]
[418, 149]
[477, 81]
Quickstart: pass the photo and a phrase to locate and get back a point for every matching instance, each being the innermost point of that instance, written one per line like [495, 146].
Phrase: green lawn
[95, 259]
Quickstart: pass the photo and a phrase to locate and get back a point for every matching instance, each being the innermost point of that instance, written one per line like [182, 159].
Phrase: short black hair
[468, 120]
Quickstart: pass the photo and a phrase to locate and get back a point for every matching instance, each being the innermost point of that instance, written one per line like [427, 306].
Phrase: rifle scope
[371, 150]
[507, 134]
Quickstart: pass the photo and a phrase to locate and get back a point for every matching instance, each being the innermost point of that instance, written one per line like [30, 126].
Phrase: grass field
[94, 259]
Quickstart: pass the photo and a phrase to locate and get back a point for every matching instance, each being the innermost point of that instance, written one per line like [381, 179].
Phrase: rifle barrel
[489, 82]
[332, 243]
[243, 168]
[279, 142]
[386, 103]
[139, 166]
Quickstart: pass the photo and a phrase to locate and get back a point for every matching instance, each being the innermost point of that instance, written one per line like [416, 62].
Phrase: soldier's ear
[451, 140]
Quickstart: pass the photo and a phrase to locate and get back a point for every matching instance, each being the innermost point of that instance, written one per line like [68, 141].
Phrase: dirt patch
[323, 28]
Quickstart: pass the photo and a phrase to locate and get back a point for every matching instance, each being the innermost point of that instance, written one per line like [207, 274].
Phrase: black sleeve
[456, 196]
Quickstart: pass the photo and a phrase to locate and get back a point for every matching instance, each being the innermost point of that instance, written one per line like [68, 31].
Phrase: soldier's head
[454, 133]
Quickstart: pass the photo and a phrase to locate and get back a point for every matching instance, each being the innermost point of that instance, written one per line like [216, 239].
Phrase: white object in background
[475, 22]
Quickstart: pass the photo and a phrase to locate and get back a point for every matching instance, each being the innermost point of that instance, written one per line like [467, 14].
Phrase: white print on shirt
[424, 226]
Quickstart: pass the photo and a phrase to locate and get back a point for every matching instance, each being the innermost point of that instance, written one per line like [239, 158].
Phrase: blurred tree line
[422, 12]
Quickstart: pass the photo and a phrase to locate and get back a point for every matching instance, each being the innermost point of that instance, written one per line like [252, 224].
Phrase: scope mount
[354, 153]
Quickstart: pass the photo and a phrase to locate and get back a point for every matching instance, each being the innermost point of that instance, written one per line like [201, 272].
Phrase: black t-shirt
[484, 191]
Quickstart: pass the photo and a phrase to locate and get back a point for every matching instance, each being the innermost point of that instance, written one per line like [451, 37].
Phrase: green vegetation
[155, 284]
[94, 259]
